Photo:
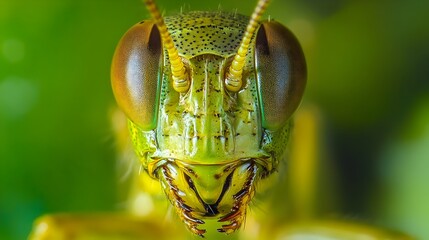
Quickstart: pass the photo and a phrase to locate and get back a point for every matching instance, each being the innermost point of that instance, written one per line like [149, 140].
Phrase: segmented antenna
[180, 76]
[233, 79]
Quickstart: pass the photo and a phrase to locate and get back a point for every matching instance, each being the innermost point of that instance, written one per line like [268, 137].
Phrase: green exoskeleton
[209, 97]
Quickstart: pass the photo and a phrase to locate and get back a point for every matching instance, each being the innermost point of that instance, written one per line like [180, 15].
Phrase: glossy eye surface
[281, 73]
[136, 72]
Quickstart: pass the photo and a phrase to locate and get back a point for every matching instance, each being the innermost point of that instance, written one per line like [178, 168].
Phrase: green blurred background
[368, 78]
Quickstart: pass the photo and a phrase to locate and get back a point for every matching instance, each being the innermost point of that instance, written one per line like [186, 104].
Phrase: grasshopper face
[209, 144]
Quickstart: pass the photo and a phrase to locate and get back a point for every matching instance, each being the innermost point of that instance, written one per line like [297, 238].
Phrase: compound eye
[136, 73]
[281, 73]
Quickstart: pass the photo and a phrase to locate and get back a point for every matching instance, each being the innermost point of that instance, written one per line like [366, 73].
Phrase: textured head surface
[197, 33]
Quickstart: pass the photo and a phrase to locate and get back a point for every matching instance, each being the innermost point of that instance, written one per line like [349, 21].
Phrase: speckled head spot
[197, 33]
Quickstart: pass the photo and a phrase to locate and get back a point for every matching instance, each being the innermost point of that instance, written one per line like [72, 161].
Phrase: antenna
[181, 81]
[233, 79]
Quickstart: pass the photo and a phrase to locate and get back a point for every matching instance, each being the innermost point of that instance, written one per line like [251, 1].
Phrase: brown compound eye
[281, 73]
[136, 74]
